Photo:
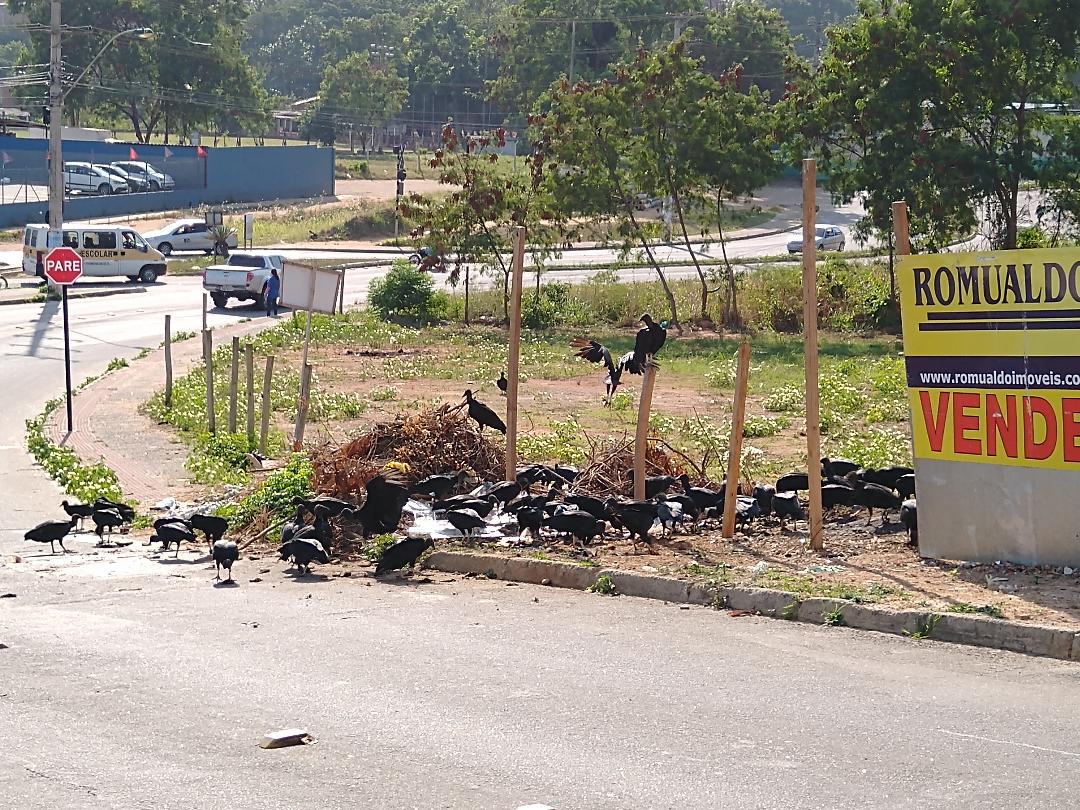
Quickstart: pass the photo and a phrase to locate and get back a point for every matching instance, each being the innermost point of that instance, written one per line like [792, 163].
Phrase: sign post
[63, 266]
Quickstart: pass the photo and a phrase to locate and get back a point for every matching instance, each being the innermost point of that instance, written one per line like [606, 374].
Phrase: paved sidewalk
[109, 426]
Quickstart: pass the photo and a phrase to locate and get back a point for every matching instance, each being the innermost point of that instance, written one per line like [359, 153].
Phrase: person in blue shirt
[273, 290]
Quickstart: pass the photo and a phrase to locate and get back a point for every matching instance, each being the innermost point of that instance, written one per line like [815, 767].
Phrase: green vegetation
[993, 611]
[404, 290]
[833, 618]
[923, 627]
[376, 546]
[363, 220]
[604, 585]
[803, 585]
[271, 499]
[87, 482]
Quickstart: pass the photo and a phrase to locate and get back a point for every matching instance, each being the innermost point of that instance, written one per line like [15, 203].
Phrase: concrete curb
[977, 631]
[74, 296]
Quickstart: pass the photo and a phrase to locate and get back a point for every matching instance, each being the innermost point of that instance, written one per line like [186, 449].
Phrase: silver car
[829, 237]
[184, 234]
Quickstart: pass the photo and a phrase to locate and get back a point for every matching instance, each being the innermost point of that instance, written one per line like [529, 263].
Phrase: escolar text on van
[105, 250]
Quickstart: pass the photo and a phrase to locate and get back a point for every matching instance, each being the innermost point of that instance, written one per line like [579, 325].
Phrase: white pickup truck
[242, 277]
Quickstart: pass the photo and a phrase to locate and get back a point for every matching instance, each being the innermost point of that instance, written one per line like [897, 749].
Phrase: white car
[156, 180]
[829, 237]
[87, 179]
[184, 234]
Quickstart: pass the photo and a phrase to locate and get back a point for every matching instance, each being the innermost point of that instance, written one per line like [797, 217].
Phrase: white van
[106, 251]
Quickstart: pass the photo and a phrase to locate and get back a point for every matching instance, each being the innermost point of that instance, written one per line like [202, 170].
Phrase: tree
[357, 91]
[151, 82]
[749, 34]
[942, 103]
[474, 223]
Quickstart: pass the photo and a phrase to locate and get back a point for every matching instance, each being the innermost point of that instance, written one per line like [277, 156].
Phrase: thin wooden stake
[810, 349]
[513, 353]
[204, 304]
[234, 376]
[168, 362]
[738, 417]
[302, 410]
[208, 359]
[641, 440]
[341, 292]
[268, 376]
[902, 237]
[249, 368]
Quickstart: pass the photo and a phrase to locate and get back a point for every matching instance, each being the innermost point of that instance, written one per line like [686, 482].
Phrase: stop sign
[63, 266]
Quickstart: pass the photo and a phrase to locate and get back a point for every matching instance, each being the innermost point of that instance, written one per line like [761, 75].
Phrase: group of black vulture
[648, 341]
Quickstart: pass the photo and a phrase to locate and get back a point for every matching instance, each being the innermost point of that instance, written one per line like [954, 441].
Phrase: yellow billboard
[992, 342]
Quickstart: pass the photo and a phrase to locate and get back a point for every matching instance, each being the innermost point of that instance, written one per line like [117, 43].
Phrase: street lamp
[56, 99]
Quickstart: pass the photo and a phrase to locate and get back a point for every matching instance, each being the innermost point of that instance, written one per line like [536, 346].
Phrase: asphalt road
[132, 682]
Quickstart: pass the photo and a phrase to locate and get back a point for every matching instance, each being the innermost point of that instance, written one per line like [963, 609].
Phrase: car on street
[828, 237]
[84, 178]
[156, 179]
[185, 234]
[133, 183]
[242, 276]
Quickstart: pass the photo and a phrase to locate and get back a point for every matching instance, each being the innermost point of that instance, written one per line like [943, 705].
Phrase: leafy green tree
[152, 82]
[749, 34]
[942, 103]
[358, 91]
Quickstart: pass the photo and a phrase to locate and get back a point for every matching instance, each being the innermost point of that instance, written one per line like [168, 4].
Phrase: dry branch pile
[610, 460]
[429, 442]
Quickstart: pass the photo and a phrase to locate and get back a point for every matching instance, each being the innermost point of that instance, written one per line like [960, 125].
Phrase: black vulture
[690, 508]
[304, 551]
[78, 510]
[587, 503]
[786, 505]
[886, 476]
[567, 473]
[874, 496]
[465, 521]
[637, 517]
[833, 495]
[289, 530]
[747, 509]
[225, 553]
[649, 340]
[837, 467]
[483, 415]
[438, 486]
[387, 494]
[174, 532]
[669, 513]
[764, 494]
[502, 382]
[324, 531]
[126, 512]
[793, 482]
[595, 352]
[581, 525]
[526, 501]
[106, 518]
[403, 554]
[531, 518]
[654, 484]
[909, 517]
[504, 492]
[703, 497]
[905, 485]
[482, 506]
[51, 532]
[212, 526]
[334, 506]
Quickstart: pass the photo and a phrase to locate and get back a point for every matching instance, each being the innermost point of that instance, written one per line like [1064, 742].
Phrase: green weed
[993, 611]
[604, 585]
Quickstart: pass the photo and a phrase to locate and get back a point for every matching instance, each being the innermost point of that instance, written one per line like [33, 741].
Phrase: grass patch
[364, 220]
[993, 611]
[808, 586]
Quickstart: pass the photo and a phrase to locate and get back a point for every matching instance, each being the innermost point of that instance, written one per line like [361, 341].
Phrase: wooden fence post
[738, 418]
[902, 237]
[302, 410]
[513, 354]
[204, 304]
[168, 362]
[234, 378]
[249, 368]
[267, 378]
[810, 349]
[641, 439]
[208, 360]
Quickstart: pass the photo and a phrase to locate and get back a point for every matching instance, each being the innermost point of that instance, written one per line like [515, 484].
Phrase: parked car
[87, 179]
[242, 276]
[828, 237]
[157, 180]
[133, 183]
[185, 234]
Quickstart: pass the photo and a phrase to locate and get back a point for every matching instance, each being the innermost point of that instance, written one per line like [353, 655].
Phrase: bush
[405, 290]
[274, 495]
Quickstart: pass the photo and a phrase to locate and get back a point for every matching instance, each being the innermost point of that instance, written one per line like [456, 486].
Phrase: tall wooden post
[208, 360]
[513, 353]
[249, 369]
[738, 418]
[810, 349]
[302, 409]
[204, 304]
[168, 362]
[901, 235]
[268, 376]
[234, 378]
[641, 439]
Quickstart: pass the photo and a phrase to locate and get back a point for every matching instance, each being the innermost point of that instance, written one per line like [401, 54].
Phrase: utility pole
[573, 42]
[56, 104]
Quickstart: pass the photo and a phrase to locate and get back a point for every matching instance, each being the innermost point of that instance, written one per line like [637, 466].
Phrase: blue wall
[232, 175]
